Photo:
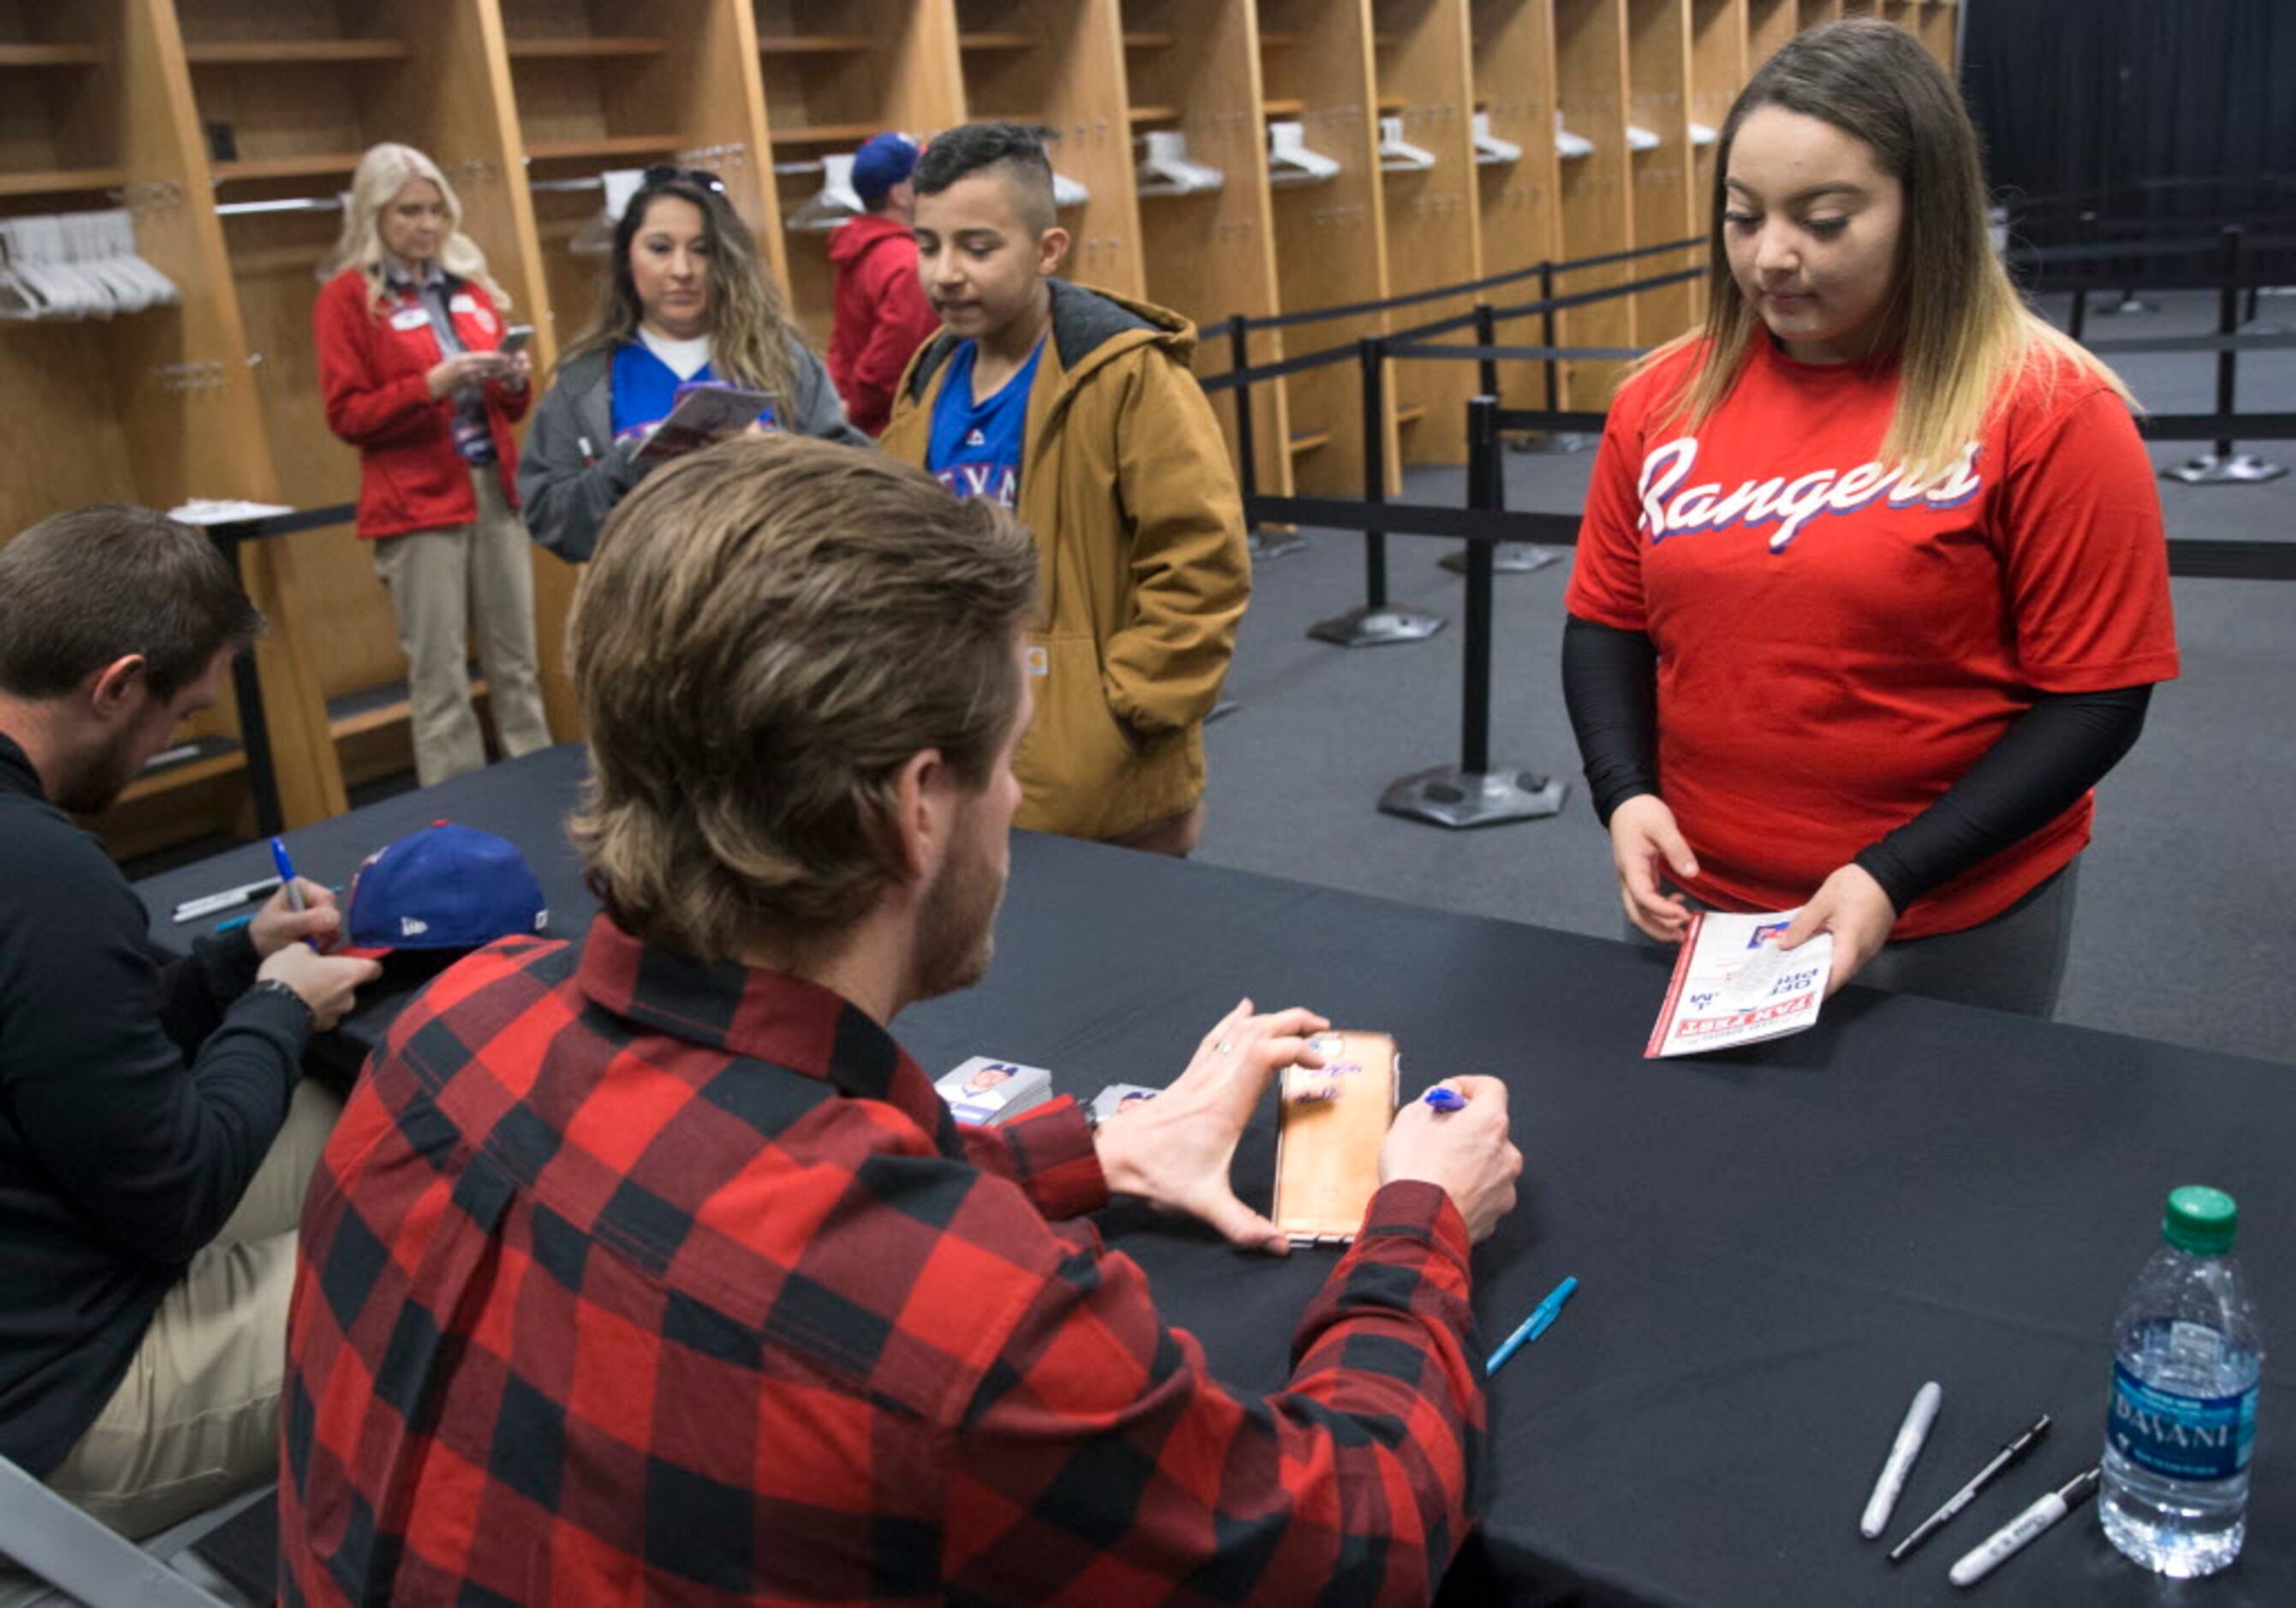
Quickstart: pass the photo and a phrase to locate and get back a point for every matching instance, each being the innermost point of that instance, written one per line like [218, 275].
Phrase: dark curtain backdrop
[2126, 104]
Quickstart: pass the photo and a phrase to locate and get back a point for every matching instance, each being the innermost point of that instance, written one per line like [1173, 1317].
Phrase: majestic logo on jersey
[1672, 509]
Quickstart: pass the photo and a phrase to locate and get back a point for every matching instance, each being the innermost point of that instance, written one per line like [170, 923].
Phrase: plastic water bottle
[2188, 1351]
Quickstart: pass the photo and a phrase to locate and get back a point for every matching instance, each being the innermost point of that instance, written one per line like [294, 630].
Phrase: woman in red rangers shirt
[1871, 586]
[407, 330]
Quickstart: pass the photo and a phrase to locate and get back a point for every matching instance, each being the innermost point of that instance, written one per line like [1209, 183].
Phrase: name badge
[462, 303]
[410, 318]
[1040, 662]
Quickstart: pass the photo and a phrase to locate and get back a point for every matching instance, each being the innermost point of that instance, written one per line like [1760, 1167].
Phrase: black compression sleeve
[2053, 753]
[1610, 684]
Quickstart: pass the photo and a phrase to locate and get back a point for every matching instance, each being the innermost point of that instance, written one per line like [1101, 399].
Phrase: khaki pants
[1173, 835]
[442, 584]
[195, 1420]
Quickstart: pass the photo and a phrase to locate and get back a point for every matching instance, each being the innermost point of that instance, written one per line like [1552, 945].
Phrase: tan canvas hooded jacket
[1143, 571]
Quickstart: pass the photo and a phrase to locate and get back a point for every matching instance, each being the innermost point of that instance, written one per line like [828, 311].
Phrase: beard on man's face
[956, 927]
[95, 783]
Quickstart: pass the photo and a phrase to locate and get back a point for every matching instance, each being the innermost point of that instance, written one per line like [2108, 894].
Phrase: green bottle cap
[2200, 1219]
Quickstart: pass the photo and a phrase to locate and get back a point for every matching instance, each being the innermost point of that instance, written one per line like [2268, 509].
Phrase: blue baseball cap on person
[884, 161]
[446, 887]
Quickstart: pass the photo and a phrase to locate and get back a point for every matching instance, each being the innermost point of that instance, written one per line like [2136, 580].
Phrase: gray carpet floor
[2184, 932]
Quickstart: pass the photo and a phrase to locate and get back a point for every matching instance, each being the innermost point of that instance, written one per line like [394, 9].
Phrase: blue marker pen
[1446, 1099]
[287, 875]
[1532, 1326]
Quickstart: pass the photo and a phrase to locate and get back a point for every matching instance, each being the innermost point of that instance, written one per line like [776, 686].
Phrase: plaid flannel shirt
[629, 1278]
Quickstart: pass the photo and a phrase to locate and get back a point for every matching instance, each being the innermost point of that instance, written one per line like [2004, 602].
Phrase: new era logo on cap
[976, 440]
[446, 887]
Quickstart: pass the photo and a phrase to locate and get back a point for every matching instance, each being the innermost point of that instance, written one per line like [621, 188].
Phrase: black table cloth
[1775, 1246]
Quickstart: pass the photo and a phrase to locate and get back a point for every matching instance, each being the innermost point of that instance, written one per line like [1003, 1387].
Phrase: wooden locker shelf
[1148, 39]
[213, 758]
[15, 54]
[62, 181]
[827, 134]
[814, 44]
[996, 40]
[601, 47]
[1138, 114]
[606, 146]
[1282, 108]
[292, 52]
[1308, 440]
[319, 164]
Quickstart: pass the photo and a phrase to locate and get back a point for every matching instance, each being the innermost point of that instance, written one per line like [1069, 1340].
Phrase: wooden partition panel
[1769, 23]
[834, 73]
[1513, 56]
[1426, 78]
[1719, 46]
[1814, 11]
[1331, 246]
[1658, 52]
[1060, 63]
[1598, 212]
[1939, 24]
[1193, 66]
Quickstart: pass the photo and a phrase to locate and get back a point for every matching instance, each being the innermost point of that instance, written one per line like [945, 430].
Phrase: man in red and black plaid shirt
[649, 1268]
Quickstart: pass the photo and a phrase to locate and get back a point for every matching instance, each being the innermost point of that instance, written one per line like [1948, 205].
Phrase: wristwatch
[272, 985]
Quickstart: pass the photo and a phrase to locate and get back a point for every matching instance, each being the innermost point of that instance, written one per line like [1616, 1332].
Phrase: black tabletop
[1775, 1246]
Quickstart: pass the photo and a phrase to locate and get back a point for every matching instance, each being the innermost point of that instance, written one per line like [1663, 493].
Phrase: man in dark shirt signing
[154, 1144]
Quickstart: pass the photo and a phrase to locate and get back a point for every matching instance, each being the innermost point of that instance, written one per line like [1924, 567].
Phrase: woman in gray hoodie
[688, 304]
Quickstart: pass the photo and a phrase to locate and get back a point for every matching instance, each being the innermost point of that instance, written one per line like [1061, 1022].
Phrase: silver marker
[1903, 1450]
[2012, 1538]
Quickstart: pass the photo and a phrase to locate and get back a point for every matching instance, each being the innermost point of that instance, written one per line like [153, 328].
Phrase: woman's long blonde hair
[749, 335]
[1965, 334]
[381, 173]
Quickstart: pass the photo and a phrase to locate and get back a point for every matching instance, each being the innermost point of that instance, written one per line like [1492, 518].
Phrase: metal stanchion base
[1377, 628]
[1507, 558]
[1226, 706]
[2241, 469]
[1449, 796]
[2130, 306]
[1265, 544]
[1554, 440]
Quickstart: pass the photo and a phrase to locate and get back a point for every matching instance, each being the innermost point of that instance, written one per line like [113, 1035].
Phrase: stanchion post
[1487, 334]
[1546, 336]
[2228, 324]
[254, 724]
[2223, 466]
[1371, 353]
[1247, 469]
[1376, 624]
[1486, 489]
[1474, 792]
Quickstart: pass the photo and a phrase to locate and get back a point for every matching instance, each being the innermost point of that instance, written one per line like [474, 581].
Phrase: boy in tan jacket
[1077, 409]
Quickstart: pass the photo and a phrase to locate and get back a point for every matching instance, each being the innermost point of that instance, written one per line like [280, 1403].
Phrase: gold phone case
[1327, 1149]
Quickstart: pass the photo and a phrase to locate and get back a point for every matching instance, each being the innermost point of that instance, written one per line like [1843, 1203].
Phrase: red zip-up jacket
[371, 368]
[882, 318]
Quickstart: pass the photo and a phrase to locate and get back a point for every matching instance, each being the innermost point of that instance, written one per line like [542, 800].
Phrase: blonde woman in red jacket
[408, 329]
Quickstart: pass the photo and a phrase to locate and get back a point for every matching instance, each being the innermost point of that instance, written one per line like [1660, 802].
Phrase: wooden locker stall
[836, 72]
[1939, 25]
[601, 86]
[1426, 83]
[1658, 72]
[1060, 63]
[1331, 245]
[1812, 13]
[1513, 56]
[1598, 202]
[1191, 68]
[1718, 48]
[1769, 23]
[153, 406]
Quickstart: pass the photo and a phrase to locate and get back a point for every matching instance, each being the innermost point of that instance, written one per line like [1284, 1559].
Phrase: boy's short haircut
[1015, 152]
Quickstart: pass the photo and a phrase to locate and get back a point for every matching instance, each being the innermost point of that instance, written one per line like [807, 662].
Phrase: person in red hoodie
[882, 315]
[409, 329]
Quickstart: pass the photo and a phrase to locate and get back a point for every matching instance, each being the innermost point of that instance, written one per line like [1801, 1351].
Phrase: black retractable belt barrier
[1471, 792]
[2223, 466]
[1378, 623]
